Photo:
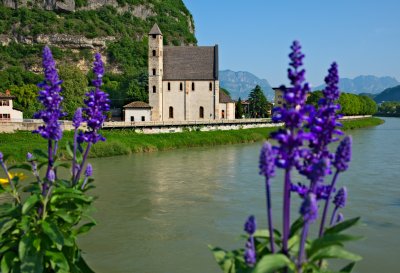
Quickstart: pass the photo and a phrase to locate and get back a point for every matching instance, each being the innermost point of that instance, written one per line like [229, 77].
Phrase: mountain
[76, 29]
[364, 84]
[390, 94]
[240, 83]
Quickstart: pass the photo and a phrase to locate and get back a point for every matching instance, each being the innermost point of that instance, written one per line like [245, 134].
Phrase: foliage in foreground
[41, 220]
[302, 149]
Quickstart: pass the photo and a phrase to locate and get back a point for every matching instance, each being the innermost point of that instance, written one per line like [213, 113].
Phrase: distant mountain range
[390, 94]
[240, 83]
[364, 84]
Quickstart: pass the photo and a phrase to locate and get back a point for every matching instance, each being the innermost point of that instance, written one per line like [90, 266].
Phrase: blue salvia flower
[89, 170]
[97, 103]
[341, 198]
[50, 98]
[77, 119]
[250, 226]
[343, 154]
[339, 218]
[250, 252]
[267, 160]
[309, 208]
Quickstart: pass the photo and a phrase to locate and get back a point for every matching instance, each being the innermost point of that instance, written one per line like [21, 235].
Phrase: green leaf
[30, 203]
[32, 263]
[329, 240]
[6, 226]
[342, 226]
[83, 266]
[335, 252]
[53, 232]
[40, 154]
[70, 148]
[271, 263]
[84, 229]
[57, 259]
[348, 268]
[7, 261]
[23, 166]
[63, 214]
[227, 264]
[296, 226]
[261, 233]
[62, 164]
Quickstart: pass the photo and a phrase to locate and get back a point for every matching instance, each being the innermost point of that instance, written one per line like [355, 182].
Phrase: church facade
[183, 82]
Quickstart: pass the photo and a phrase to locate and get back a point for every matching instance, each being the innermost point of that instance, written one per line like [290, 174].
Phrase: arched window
[154, 71]
[192, 86]
[210, 86]
[169, 86]
[154, 53]
[201, 112]
[180, 86]
[223, 114]
[171, 112]
[154, 89]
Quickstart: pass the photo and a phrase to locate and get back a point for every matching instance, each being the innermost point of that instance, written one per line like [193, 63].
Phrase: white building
[7, 113]
[183, 82]
[137, 111]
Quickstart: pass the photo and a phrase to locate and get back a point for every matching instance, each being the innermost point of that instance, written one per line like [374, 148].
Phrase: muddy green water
[157, 212]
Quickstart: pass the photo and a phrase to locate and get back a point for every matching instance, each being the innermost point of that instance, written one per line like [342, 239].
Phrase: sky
[362, 36]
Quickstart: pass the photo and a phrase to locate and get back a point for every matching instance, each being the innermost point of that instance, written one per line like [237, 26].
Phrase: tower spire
[155, 30]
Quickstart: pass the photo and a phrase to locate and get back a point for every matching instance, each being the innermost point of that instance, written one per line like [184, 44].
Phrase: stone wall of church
[186, 103]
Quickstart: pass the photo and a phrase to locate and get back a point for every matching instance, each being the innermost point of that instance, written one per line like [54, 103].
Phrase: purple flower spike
[29, 156]
[250, 253]
[331, 91]
[250, 225]
[97, 103]
[77, 119]
[343, 154]
[341, 198]
[50, 98]
[267, 160]
[309, 208]
[89, 170]
[1, 156]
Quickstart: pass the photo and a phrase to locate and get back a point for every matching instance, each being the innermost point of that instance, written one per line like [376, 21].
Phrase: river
[157, 212]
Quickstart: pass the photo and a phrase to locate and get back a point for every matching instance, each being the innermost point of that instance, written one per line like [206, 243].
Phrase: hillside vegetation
[390, 94]
[118, 30]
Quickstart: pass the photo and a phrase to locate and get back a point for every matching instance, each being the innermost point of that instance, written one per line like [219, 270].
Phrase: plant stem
[78, 175]
[286, 212]
[74, 154]
[269, 212]
[302, 246]
[327, 202]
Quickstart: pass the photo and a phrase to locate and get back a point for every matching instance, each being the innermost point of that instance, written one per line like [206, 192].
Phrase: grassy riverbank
[122, 142]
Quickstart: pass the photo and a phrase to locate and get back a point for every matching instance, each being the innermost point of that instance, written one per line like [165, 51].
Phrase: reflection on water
[158, 211]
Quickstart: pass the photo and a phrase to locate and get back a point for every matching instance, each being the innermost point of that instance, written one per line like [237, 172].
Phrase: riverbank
[123, 142]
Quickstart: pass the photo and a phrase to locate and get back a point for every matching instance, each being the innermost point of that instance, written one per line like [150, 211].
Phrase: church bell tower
[155, 63]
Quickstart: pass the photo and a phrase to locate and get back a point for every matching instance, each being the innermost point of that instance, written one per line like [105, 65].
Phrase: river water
[157, 212]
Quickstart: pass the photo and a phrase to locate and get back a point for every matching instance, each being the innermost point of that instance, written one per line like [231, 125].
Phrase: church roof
[137, 104]
[155, 30]
[224, 98]
[190, 63]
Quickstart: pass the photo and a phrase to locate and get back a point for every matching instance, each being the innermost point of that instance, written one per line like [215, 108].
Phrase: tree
[258, 104]
[74, 87]
[239, 109]
[26, 99]
[314, 97]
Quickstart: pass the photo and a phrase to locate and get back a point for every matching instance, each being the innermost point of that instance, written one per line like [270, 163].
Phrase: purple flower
[29, 156]
[250, 225]
[267, 160]
[50, 98]
[250, 252]
[51, 176]
[77, 119]
[343, 154]
[340, 198]
[89, 170]
[1, 156]
[309, 208]
[339, 218]
[97, 103]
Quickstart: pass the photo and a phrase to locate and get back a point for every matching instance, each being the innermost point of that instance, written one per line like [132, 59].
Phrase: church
[183, 82]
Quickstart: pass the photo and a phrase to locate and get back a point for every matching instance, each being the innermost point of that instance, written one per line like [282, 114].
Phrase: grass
[123, 142]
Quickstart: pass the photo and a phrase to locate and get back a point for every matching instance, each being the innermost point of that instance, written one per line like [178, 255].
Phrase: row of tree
[389, 108]
[350, 104]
